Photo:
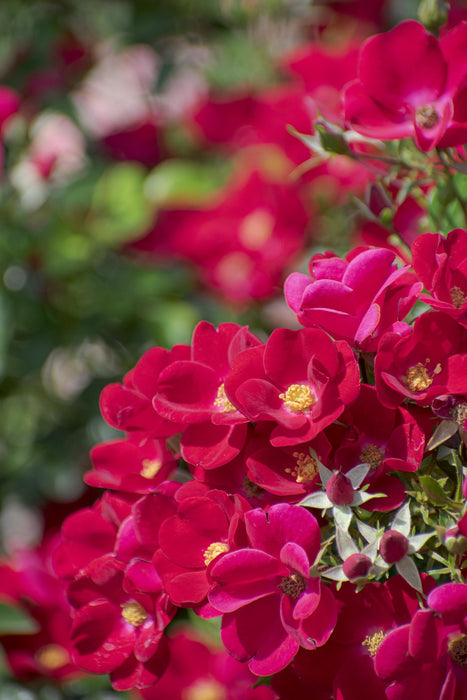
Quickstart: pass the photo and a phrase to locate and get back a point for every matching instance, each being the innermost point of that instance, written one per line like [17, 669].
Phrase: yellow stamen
[256, 229]
[223, 402]
[418, 379]
[205, 689]
[426, 117]
[298, 398]
[373, 642]
[134, 613]
[457, 297]
[458, 650]
[213, 551]
[151, 467]
[52, 656]
[459, 413]
[372, 455]
[306, 469]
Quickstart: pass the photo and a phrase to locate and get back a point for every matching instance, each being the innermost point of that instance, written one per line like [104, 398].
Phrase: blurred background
[149, 179]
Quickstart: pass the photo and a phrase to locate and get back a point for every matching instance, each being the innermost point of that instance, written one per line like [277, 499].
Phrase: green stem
[452, 182]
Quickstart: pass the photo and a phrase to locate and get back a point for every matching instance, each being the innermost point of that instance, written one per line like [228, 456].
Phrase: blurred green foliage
[76, 314]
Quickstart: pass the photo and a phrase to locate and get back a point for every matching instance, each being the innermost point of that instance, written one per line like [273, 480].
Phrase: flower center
[150, 468]
[372, 455]
[134, 613]
[204, 689]
[426, 117]
[251, 489]
[222, 402]
[292, 585]
[458, 650]
[213, 551]
[459, 413]
[256, 229]
[298, 398]
[306, 468]
[373, 642]
[417, 378]
[457, 296]
[52, 656]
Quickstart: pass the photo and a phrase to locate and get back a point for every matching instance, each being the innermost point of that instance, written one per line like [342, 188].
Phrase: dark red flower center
[292, 585]
[457, 297]
[372, 455]
[458, 650]
[251, 489]
[417, 378]
[459, 413]
[426, 117]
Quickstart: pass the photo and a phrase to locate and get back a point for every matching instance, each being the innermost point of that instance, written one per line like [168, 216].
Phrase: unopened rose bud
[393, 546]
[357, 566]
[339, 490]
[433, 13]
[454, 541]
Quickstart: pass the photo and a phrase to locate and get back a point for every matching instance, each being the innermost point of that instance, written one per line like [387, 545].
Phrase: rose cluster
[267, 483]
[304, 491]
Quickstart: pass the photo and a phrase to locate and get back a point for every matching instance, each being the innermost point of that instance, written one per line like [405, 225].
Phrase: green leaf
[180, 182]
[332, 142]
[263, 680]
[120, 209]
[433, 490]
[5, 334]
[443, 431]
[445, 211]
[209, 628]
[15, 621]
